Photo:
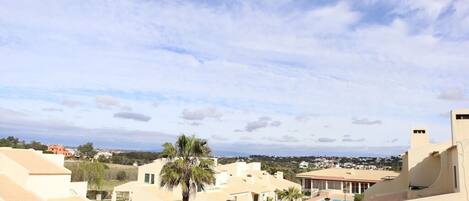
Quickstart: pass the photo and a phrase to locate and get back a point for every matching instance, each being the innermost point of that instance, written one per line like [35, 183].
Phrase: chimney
[459, 125]
[419, 137]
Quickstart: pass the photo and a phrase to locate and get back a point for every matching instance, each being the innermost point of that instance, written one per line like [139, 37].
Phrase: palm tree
[189, 165]
[290, 194]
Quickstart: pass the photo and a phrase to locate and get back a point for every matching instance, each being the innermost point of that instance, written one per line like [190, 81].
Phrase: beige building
[340, 182]
[431, 171]
[28, 175]
[238, 181]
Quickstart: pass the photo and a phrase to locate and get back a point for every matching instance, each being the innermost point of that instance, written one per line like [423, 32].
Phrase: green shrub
[358, 197]
[121, 175]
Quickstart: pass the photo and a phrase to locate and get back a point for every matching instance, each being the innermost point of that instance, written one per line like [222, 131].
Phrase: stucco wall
[57, 159]
[243, 197]
[152, 168]
[13, 170]
[423, 167]
[49, 186]
[442, 184]
[79, 188]
[397, 186]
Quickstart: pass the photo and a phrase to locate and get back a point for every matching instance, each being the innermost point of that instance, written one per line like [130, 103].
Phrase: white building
[303, 165]
[28, 175]
[238, 181]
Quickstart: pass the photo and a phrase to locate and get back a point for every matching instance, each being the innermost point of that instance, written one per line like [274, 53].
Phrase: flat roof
[33, 162]
[343, 174]
[9, 190]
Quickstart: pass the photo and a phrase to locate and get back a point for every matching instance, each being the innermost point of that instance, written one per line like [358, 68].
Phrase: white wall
[49, 186]
[79, 187]
[152, 168]
[57, 159]
[221, 178]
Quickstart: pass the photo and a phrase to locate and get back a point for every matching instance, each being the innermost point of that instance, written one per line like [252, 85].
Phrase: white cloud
[331, 59]
[71, 103]
[326, 140]
[254, 125]
[454, 94]
[366, 121]
[132, 115]
[50, 109]
[275, 123]
[106, 101]
[201, 114]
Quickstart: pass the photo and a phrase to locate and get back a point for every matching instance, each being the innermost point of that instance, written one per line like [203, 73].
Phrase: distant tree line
[129, 158]
[14, 142]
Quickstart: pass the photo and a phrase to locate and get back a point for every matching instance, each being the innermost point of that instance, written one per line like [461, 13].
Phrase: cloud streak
[132, 116]
[201, 114]
[366, 121]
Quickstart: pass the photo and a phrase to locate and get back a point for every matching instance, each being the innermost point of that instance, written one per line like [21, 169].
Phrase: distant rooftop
[343, 174]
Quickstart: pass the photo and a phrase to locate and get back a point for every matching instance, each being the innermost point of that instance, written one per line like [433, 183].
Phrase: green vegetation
[121, 175]
[129, 158]
[189, 166]
[290, 194]
[21, 144]
[111, 174]
[92, 172]
[87, 151]
[358, 197]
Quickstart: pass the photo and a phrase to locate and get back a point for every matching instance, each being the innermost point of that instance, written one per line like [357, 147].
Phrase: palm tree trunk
[185, 194]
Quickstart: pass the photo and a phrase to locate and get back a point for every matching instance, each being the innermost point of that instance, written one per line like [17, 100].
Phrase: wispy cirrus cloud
[71, 103]
[326, 140]
[366, 121]
[261, 122]
[132, 116]
[454, 94]
[201, 114]
[51, 109]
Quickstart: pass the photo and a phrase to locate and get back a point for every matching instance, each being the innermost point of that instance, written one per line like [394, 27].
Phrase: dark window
[307, 184]
[152, 179]
[419, 131]
[455, 177]
[147, 178]
[462, 116]
[364, 186]
[355, 187]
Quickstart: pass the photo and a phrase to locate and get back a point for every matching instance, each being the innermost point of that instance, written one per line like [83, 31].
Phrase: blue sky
[266, 77]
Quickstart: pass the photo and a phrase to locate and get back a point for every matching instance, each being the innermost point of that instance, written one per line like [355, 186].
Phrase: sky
[252, 77]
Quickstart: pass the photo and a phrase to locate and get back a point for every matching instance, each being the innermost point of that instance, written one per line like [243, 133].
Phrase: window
[419, 131]
[346, 186]
[319, 184]
[462, 116]
[307, 184]
[334, 185]
[355, 187]
[455, 177]
[152, 179]
[364, 186]
[147, 178]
